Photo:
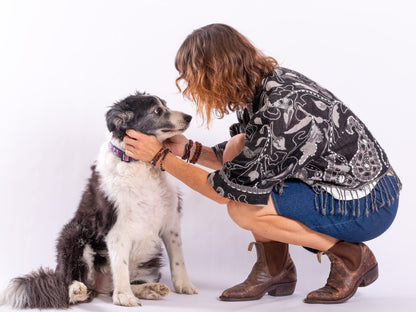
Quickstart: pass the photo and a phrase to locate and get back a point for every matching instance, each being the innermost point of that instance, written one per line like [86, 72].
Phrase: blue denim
[299, 202]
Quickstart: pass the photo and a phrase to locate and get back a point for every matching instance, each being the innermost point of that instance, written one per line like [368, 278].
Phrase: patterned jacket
[297, 129]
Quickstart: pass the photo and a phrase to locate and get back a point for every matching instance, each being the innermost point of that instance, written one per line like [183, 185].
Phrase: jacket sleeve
[219, 150]
[279, 140]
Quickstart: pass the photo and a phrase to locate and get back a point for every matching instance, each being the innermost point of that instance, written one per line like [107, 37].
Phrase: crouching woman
[301, 168]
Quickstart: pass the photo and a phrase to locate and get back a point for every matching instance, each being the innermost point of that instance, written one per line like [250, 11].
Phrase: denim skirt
[355, 220]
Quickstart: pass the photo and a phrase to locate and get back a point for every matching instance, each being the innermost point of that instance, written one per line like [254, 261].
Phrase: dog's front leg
[119, 253]
[173, 243]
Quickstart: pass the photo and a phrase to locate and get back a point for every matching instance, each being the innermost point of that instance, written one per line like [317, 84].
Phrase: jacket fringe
[385, 192]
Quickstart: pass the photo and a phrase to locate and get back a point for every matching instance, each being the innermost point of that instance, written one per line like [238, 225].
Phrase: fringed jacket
[297, 129]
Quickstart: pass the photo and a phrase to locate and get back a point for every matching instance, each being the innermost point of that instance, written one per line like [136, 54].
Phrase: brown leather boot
[352, 266]
[274, 272]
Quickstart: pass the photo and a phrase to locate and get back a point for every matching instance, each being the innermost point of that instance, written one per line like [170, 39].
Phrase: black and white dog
[113, 243]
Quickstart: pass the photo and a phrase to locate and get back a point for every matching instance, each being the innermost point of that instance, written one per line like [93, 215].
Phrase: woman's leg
[233, 147]
[274, 271]
[352, 265]
[265, 225]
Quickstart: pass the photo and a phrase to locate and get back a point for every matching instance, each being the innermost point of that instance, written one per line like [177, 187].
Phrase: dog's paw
[125, 299]
[151, 291]
[184, 286]
[78, 292]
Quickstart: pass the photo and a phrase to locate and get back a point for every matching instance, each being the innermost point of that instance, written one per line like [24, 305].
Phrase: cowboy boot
[273, 273]
[352, 266]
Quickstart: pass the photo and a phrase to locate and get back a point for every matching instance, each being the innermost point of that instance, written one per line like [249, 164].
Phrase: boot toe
[321, 295]
[234, 294]
[328, 295]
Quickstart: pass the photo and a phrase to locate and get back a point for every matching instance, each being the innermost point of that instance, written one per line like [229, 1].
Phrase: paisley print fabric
[297, 129]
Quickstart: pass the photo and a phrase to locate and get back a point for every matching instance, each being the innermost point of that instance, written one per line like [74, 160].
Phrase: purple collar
[119, 153]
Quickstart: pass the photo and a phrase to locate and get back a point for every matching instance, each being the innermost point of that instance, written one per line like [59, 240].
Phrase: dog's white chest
[144, 200]
[142, 195]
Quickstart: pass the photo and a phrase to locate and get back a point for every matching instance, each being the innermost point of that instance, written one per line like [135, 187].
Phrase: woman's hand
[176, 144]
[141, 146]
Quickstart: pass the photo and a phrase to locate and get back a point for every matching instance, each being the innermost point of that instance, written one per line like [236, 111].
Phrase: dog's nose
[187, 118]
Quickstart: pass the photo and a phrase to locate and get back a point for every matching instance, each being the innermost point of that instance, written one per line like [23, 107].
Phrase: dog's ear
[117, 120]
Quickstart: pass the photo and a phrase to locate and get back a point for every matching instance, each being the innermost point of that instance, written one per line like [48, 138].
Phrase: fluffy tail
[42, 289]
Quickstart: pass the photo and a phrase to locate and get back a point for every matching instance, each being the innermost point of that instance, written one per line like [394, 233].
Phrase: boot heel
[283, 289]
[370, 277]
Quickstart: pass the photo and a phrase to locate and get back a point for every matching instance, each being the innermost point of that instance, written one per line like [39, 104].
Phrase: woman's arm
[194, 177]
[207, 158]
[144, 147]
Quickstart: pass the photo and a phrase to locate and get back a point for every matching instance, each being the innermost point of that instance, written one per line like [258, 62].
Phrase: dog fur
[113, 243]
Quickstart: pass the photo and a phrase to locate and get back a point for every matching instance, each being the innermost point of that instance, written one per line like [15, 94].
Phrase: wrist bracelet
[187, 153]
[157, 156]
[164, 153]
[198, 150]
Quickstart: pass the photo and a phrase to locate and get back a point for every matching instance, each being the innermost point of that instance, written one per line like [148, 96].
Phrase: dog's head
[148, 114]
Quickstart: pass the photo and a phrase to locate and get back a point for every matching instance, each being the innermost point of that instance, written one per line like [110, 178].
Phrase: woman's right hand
[176, 144]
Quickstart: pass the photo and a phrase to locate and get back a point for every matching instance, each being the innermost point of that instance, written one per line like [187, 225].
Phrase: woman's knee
[233, 147]
[240, 215]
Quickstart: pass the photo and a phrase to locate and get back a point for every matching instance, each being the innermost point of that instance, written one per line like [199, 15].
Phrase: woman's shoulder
[284, 82]
[282, 76]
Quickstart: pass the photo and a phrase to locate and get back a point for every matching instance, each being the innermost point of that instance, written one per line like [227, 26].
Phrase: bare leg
[233, 147]
[259, 238]
[265, 225]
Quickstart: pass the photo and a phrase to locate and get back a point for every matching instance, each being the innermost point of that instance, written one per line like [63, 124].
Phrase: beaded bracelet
[198, 150]
[157, 156]
[165, 152]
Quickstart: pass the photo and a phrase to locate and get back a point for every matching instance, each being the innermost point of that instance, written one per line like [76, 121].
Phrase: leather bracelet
[198, 150]
[187, 153]
[157, 156]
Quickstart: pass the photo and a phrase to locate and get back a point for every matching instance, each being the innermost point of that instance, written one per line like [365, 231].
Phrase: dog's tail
[42, 289]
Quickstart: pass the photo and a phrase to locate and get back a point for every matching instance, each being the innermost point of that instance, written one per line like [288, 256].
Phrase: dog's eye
[158, 111]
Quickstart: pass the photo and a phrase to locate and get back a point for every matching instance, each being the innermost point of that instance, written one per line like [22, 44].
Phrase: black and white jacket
[297, 129]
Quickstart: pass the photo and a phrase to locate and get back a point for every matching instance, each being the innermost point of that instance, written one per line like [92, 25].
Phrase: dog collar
[119, 153]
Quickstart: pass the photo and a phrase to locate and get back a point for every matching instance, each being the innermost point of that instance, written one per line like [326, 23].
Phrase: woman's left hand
[141, 146]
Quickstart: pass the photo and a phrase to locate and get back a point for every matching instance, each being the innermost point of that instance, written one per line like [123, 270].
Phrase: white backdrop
[63, 63]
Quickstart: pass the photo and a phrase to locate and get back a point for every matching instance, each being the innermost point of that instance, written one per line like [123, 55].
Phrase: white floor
[373, 298]
[207, 300]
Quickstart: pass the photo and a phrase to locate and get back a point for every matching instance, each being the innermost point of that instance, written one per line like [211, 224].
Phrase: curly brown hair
[221, 68]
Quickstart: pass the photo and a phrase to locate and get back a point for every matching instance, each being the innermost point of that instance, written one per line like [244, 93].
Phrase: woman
[300, 167]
